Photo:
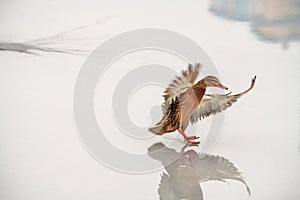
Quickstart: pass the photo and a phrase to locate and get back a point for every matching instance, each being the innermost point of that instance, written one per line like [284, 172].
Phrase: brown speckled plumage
[180, 110]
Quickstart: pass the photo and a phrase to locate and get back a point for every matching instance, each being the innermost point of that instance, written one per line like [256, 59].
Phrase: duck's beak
[222, 86]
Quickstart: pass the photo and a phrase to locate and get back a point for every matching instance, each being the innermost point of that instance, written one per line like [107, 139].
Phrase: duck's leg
[188, 139]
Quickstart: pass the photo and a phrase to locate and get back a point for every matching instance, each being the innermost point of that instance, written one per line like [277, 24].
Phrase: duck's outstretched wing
[180, 84]
[213, 104]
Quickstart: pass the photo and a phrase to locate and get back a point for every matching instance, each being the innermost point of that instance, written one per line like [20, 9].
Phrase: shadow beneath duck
[183, 175]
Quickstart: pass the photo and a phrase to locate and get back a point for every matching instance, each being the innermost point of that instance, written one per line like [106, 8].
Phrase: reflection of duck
[186, 101]
[184, 174]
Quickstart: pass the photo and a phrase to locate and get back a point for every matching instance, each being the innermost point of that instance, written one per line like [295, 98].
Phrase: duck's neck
[199, 89]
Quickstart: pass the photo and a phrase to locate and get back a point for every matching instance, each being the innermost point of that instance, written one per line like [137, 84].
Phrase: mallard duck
[186, 169]
[186, 102]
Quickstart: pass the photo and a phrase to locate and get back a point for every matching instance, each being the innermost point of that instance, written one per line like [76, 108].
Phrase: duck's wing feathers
[213, 104]
[179, 84]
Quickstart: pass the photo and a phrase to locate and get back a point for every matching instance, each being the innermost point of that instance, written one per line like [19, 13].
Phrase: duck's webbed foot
[192, 143]
[194, 137]
[189, 139]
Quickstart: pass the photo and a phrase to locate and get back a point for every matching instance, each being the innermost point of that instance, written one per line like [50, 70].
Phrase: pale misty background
[41, 156]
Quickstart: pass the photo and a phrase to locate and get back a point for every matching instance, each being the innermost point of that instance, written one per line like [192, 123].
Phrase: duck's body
[180, 110]
[186, 102]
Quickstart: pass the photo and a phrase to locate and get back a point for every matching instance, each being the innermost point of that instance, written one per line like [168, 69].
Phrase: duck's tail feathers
[157, 130]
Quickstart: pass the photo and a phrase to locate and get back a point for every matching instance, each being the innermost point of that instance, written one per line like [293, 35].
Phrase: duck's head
[212, 81]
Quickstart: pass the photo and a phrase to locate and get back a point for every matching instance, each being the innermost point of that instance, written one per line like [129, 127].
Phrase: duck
[186, 102]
